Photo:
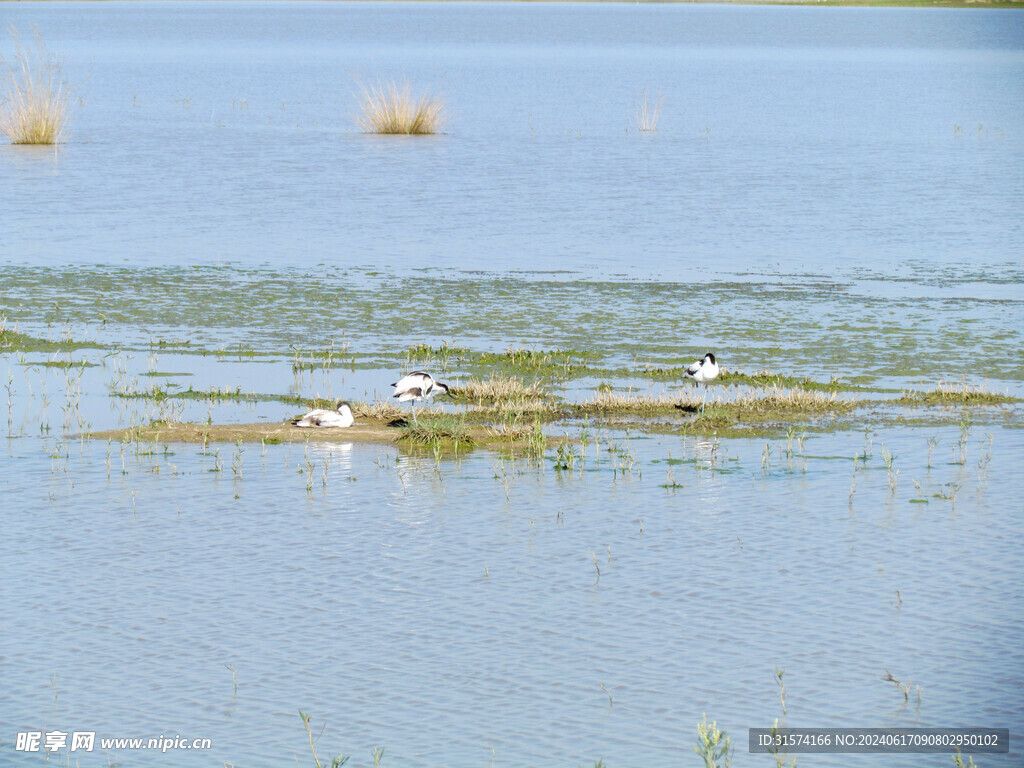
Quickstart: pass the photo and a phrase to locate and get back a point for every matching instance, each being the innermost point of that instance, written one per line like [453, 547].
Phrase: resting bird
[417, 387]
[340, 417]
[703, 371]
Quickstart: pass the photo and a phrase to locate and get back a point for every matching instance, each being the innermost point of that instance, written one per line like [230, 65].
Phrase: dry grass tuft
[786, 401]
[384, 410]
[35, 95]
[390, 109]
[497, 389]
[612, 402]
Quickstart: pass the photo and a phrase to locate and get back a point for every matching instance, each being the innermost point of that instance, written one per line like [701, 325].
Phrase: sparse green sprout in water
[712, 745]
[34, 101]
[338, 761]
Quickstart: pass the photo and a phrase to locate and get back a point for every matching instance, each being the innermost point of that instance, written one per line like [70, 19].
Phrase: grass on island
[956, 394]
[506, 390]
[35, 97]
[439, 430]
[390, 109]
[606, 401]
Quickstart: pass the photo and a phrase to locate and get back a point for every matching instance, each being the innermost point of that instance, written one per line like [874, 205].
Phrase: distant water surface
[791, 139]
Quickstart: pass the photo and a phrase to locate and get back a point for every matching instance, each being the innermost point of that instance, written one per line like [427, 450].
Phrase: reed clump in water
[390, 109]
[35, 98]
[647, 114]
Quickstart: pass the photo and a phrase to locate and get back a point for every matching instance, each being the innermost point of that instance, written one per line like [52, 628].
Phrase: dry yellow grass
[35, 96]
[608, 401]
[391, 109]
[383, 410]
[497, 389]
[785, 401]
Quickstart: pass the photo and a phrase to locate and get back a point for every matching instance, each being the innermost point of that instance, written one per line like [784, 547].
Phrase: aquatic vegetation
[613, 402]
[961, 393]
[337, 761]
[65, 364]
[439, 430]
[35, 106]
[422, 353]
[713, 744]
[555, 362]
[13, 341]
[498, 390]
[390, 109]
[566, 457]
[766, 378]
[778, 402]
[158, 393]
[647, 114]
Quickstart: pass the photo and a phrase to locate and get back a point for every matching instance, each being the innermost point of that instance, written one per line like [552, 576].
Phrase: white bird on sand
[340, 417]
[703, 371]
[417, 387]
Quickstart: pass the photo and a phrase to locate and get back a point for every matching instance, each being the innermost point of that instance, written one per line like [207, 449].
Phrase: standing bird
[340, 417]
[703, 371]
[417, 387]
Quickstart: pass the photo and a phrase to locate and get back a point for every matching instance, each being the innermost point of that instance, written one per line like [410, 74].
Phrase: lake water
[829, 192]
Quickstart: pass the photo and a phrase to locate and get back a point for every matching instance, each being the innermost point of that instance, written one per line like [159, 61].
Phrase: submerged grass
[13, 341]
[35, 95]
[558, 363]
[390, 109]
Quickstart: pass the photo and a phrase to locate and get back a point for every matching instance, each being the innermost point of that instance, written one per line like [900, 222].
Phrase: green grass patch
[158, 393]
[769, 379]
[13, 341]
[956, 395]
[440, 430]
[555, 363]
[65, 364]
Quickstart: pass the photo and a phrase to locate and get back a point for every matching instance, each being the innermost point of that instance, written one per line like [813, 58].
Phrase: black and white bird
[417, 387]
[703, 371]
[339, 417]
